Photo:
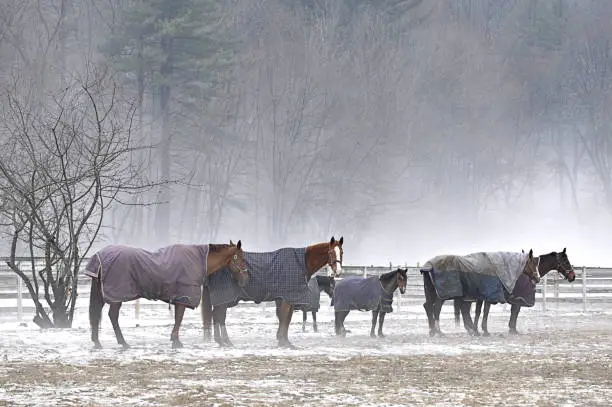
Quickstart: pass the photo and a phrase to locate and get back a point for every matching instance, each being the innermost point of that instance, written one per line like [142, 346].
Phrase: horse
[433, 302]
[317, 285]
[552, 261]
[365, 294]
[316, 256]
[173, 274]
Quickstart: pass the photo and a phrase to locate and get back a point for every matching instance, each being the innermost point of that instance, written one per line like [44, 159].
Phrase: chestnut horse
[218, 256]
[316, 257]
[552, 261]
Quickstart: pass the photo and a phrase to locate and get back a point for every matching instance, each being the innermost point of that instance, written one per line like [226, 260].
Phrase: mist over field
[412, 128]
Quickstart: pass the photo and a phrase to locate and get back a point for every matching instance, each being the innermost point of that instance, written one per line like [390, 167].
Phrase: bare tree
[62, 167]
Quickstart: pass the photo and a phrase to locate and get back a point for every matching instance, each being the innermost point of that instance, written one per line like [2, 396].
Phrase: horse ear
[231, 243]
[341, 241]
[239, 244]
[523, 251]
[564, 250]
[332, 241]
[531, 253]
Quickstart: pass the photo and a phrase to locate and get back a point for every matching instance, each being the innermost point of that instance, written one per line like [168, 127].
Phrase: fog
[412, 128]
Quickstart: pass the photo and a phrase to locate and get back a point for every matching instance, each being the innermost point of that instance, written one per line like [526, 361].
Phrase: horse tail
[96, 301]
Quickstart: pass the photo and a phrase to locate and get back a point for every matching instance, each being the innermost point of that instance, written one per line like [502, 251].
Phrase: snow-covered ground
[563, 357]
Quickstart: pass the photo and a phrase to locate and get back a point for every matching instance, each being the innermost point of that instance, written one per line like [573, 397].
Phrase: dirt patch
[470, 380]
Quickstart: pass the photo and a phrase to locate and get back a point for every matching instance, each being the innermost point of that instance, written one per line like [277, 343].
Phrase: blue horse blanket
[363, 294]
[280, 274]
[483, 276]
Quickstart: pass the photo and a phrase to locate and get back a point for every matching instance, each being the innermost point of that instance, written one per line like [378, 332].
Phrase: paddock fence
[590, 292]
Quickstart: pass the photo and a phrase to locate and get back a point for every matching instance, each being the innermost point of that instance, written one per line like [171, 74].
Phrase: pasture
[563, 357]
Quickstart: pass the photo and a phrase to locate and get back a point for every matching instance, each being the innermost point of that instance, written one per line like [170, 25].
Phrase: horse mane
[216, 248]
[388, 275]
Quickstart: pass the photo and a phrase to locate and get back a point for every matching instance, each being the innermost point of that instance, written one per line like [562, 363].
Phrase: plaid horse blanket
[173, 274]
[364, 294]
[280, 274]
[485, 275]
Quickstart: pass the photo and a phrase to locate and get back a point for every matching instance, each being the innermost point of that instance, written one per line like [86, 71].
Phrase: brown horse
[433, 303]
[316, 257]
[187, 262]
[548, 262]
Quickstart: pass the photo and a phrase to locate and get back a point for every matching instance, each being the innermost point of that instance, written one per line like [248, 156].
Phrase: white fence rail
[592, 290]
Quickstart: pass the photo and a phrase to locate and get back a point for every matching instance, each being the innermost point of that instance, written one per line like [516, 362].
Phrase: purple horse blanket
[523, 293]
[173, 274]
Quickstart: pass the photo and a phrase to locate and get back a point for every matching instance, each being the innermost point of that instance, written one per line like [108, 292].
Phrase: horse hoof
[381, 335]
[372, 335]
[97, 345]
[228, 343]
[485, 333]
[125, 346]
[432, 333]
[513, 332]
[286, 345]
[176, 345]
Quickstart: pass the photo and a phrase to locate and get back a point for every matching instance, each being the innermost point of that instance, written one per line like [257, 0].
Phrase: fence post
[584, 289]
[556, 292]
[19, 298]
[365, 272]
[137, 308]
[544, 292]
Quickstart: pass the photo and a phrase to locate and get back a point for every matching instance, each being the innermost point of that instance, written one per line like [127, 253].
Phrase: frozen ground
[562, 358]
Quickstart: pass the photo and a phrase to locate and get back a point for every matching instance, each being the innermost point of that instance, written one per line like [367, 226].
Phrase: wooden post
[19, 298]
[556, 292]
[365, 272]
[544, 286]
[584, 289]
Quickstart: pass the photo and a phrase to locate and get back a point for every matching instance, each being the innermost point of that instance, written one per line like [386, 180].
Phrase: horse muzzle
[571, 276]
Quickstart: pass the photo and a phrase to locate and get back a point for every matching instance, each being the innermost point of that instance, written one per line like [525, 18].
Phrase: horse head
[335, 253]
[531, 268]
[402, 279]
[564, 266]
[237, 264]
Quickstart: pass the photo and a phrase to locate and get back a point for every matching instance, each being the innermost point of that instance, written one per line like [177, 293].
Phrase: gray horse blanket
[173, 274]
[363, 294]
[280, 274]
[485, 275]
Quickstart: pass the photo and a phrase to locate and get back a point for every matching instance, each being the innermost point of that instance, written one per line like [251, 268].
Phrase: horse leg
[437, 308]
[477, 313]
[96, 303]
[514, 312]
[179, 311]
[339, 322]
[430, 299]
[304, 316]
[286, 312]
[381, 321]
[278, 304]
[314, 321]
[457, 305]
[207, 314]
[217, 318]
[485, 319]
[467, 318]
[374, 319]
[113, 314]
[221, 319]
